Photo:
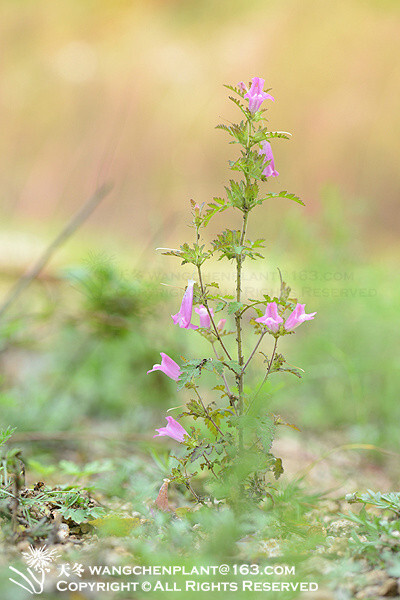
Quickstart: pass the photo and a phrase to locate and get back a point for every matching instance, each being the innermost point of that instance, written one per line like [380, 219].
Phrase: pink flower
[168, 366]
[297, 317]
[221, 324]
[271, 319]
[183, 317]
[173, 430]
[204, 316]
[255, 94]
[270, 168]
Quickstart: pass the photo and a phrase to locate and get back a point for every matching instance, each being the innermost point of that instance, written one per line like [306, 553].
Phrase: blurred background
[130, 92]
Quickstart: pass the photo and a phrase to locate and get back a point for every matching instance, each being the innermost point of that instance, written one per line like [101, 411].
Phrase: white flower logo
[39, 559]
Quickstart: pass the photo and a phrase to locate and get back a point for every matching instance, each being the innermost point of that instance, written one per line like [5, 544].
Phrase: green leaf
[235, 89]
[252, 164]
[244, 110]
[226, 244]
[277, 468]
[265, 431]
[263, 134]
[197, 452]
[194, 255]
[239, 132]
[279, 134]
[218, 205]
[82, 515]
[234, 307]
[5, 434]
[282, 194]
[194, 409]
[220, 306]
[191, 370]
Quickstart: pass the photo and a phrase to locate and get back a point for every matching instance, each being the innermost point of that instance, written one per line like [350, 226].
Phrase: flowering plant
[235, 446]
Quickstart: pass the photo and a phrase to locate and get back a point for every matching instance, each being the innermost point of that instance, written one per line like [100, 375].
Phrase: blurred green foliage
[91, 356]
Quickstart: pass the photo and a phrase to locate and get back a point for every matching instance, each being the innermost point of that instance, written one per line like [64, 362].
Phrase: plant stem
[270, 362]
[189, 487]
[238, 320]
[238, 314]
[252, 306]
[223, 375]
[254, 351]
[209, 417]
[210, 466]
[266, 374]
[205, 302]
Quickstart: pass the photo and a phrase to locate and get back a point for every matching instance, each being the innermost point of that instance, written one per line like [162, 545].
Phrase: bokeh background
[130, 92]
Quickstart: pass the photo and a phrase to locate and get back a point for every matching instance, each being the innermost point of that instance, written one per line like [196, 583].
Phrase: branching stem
[209, 417]
[205, 302]
[228, 391]
[266, 374]
[254, 351]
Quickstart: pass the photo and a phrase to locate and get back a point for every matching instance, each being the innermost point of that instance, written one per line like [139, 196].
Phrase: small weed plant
[231, 433]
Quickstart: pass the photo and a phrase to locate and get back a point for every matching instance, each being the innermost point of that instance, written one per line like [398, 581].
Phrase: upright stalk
[238, 314]
[238, 320]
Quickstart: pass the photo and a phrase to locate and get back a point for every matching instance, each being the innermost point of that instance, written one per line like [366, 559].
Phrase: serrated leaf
[226, 243]
[265, 431]
[235, 89]
[282, 194]
[194, 409]
[239, 105]
[220, 306]
[191, 370]
[214, 207]
[264, 135]
[234, 307]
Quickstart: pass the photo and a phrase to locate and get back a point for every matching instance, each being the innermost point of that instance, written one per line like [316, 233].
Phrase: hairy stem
[228, 391]
[266, 374]
[238, 321]
[238, 314]
[210, 466]
[209, 417]
[205, 302]
[254, 351]
[189, 487]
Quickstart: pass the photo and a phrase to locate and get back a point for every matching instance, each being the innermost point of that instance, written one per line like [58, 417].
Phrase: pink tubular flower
[255, 94]
[297, 317]
[271, 319]
[204, 316]
[221, 324]
[183, 317]
[173, 430]
[270, 168]
[168, 366]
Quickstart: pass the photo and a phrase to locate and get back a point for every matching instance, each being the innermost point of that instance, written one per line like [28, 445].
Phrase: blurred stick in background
[76, 221]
